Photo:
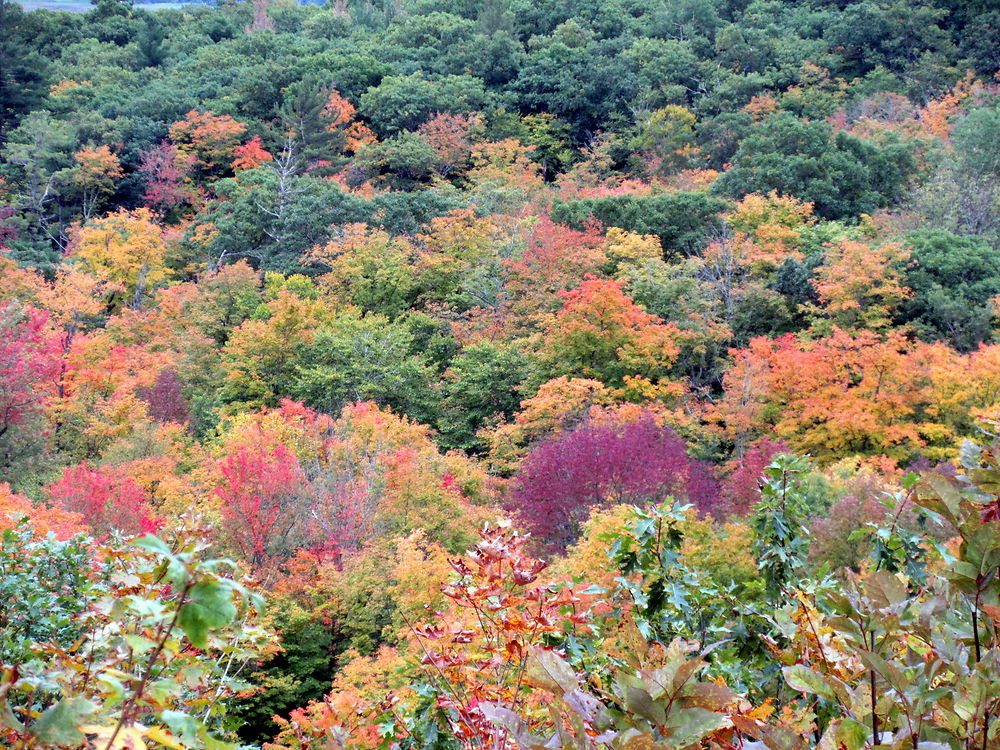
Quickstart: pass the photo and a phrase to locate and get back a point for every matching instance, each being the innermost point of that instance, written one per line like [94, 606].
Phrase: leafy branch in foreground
[149, 657]
[894, 661]
[518, 663]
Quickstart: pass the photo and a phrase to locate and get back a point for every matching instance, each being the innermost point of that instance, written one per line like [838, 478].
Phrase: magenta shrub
[562, 479]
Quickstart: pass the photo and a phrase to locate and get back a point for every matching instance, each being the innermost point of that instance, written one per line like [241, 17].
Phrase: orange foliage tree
[210, 138]
[42, 519]
[451, 136]
[515, 662]
[601, 333]
[842, 395]
[861, 286]
[250, 155]
[556, 259]
[560, 404]
[344, 121]
[505, 163]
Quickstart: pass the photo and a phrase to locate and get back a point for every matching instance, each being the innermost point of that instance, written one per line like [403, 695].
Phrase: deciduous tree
[105, 503]
[601, 333]
[169, 186]
[126, 250]
[29, 375]
[861, 286]
[562, 479]
[95, 176]
[210, 139]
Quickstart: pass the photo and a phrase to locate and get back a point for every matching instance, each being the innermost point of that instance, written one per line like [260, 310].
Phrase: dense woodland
[452, 374]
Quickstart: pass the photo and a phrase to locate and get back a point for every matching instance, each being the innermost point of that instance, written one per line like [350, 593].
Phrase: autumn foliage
[107, 503]
[375, 306]
[29, 364]
[563, 479]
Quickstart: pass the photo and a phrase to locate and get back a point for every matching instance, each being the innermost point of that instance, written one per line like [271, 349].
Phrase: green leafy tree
[963, 192]
[406, 102]
[402, 161]
[34, 155]
[668, 596]
[916, 660]
[271, 216]
[953, 279]
[665, 140]
[560, 78]
[841, 174]
[43, 589]
[400, 212]
[681, 220]
[781, 538]
[306, 117]
[551, 139]
[979, 42]
[898, 35]
[482, 385]
[162, 633]
[23, 71]
[363, 358]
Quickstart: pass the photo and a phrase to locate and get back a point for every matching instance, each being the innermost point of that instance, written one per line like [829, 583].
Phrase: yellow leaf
[127, 738]
[162, 736]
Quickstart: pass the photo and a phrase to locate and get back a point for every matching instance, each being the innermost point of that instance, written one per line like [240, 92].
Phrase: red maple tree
[106, 503]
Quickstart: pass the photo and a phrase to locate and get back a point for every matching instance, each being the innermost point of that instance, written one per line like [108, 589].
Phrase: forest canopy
[500, 374]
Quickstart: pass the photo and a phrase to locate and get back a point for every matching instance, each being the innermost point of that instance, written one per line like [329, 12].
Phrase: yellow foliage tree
[773, 224]
[126, 250]
[626, 248]
[95, 174]
[723, 550]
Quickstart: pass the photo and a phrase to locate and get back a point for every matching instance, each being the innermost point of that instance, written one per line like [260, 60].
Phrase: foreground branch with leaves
[152, 647]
